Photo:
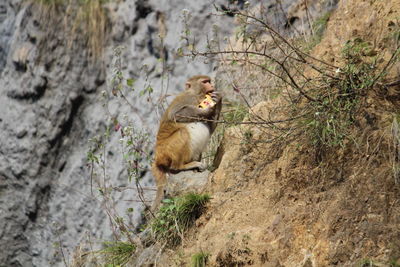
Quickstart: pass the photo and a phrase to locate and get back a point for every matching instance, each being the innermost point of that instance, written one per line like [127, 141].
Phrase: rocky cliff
[51, 78]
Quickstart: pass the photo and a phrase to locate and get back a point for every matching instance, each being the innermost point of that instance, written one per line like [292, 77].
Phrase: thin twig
[388, 64]
[237, 123]
[308, 18]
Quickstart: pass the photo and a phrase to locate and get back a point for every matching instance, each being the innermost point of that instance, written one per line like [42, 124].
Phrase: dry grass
[84, 23]
[89, 25]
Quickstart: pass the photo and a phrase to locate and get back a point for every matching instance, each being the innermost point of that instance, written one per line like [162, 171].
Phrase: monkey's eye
[206, 81]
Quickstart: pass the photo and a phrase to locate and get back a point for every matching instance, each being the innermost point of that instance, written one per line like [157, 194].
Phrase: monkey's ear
[188, 85]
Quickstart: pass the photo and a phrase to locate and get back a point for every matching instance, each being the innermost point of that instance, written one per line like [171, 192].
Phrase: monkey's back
[172, 145]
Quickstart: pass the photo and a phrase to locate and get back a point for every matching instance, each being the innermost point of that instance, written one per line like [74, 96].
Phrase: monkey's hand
[216, 96]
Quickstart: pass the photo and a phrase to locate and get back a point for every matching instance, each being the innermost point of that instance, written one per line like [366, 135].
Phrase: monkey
[184, 132]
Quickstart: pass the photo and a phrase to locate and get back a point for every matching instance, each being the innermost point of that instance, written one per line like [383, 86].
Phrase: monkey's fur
[184, 132]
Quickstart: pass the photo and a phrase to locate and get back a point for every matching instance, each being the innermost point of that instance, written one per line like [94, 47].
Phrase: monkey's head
[200, 84]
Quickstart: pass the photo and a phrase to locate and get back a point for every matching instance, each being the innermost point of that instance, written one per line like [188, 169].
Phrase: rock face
[50, 108]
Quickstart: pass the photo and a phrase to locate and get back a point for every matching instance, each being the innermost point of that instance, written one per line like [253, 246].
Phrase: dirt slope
[274, 205]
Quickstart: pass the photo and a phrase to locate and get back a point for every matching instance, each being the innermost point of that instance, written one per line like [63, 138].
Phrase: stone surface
[188, 181]
[49, 98]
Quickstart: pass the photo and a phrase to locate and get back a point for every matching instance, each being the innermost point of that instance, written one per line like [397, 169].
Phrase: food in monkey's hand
[207, 102]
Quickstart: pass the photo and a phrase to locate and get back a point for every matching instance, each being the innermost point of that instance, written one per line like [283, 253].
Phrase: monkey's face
[200, 86]
[208, 87]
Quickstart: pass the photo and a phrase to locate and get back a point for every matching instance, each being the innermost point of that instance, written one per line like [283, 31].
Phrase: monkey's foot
[194, 165]
[202, 167]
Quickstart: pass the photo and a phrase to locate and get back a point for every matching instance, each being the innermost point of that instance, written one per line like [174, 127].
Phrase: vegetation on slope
[310, 176]
[176, 216]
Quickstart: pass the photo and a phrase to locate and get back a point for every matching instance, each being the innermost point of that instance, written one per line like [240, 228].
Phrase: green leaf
[130, 82]
[179, 51]
[149, 89]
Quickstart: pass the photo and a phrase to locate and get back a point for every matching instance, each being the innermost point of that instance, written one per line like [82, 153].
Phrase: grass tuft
[117, 253]
[200, 259]
[318, 29]
[176, 216]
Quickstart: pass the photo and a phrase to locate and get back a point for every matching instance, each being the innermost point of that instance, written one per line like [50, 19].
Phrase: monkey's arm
[190, 113]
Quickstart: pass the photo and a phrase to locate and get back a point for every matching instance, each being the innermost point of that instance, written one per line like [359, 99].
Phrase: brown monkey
[184, 132]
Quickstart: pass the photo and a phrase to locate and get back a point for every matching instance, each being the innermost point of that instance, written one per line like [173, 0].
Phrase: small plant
[176, 215]
[200, 259]
[332, 113]
[317, 29]
[246, 238]
[366, 263]
[329, 122]
[319, 25]
[117, 253]
[247, 136]
[231, 235]
[235, 114]
[90, 25]
[394, 263]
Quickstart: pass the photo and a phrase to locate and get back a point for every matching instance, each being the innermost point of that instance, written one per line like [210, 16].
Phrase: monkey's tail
[160, 174]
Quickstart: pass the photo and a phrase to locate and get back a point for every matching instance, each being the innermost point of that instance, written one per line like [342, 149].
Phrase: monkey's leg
[161, 181]
[159, 197]
[191, 166]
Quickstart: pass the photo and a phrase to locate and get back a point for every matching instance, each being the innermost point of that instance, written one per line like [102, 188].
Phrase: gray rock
[49, 98]
[188, 181]
[148, 256]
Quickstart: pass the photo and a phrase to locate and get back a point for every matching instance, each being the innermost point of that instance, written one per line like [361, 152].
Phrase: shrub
[328, 119]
